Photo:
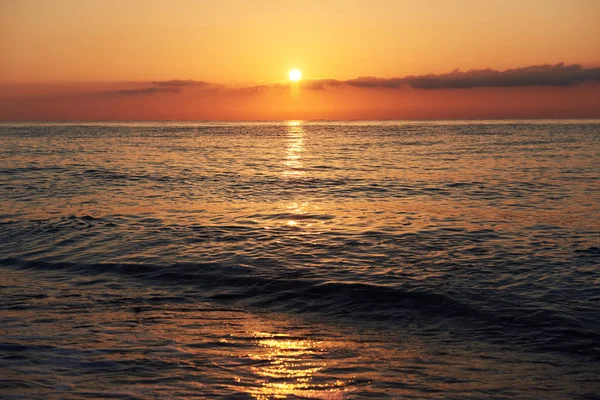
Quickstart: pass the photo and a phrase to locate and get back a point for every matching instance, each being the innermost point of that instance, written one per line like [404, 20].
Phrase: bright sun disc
[295, 75]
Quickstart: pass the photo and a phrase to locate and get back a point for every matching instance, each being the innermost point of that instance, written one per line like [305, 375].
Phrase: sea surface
[286, 260]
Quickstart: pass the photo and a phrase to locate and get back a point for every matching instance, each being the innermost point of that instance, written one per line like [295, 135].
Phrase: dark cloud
[372, 82]
[171, 86]
[538, 75]
[177, 83]
[144, 91]
[318, 84]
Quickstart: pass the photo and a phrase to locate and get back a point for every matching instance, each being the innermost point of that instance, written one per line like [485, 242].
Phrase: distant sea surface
[417, 260]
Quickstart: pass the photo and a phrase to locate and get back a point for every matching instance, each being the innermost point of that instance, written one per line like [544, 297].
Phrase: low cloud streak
[144, 91]
[179, 83]
[559, 75]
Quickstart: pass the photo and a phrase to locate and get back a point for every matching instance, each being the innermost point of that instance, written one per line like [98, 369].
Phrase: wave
[425, 309]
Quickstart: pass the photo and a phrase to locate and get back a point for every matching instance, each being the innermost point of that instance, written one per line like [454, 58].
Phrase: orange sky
[50, 51]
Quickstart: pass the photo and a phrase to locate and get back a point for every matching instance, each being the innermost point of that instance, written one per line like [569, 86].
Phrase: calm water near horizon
[330, 260]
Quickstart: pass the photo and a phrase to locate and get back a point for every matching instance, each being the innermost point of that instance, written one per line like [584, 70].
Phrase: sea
[296, 259]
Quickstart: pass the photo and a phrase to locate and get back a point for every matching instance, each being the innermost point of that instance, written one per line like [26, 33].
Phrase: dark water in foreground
[300, 260]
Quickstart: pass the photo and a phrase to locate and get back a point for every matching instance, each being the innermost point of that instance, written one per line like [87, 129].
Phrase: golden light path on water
[288, 366]
[294, 167]
[295, 147]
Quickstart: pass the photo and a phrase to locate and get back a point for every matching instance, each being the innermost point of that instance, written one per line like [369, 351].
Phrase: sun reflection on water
[295, 146]
[287, 367]
[293, 165]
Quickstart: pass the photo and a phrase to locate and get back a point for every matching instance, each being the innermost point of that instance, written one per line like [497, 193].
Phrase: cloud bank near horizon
[551, 75]
[543, 91]
[537, 75]
[558, 75]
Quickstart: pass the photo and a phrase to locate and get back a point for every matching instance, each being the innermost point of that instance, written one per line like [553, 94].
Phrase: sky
[229, 59]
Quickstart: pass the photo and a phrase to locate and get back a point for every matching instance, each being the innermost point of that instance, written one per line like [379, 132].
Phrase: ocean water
[416, 260]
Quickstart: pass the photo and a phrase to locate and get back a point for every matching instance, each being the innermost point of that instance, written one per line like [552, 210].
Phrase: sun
[295, 75]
